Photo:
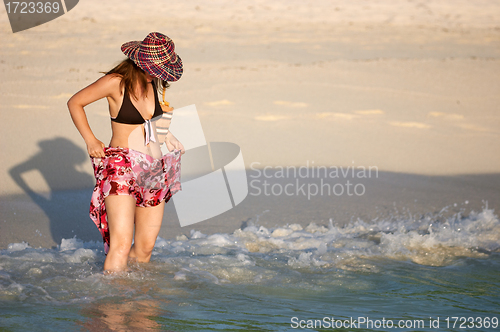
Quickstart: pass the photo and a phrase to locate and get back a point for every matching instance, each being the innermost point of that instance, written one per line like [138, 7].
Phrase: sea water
[425, 273]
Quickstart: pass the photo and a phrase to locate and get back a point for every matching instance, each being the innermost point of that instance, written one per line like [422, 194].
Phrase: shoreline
[43, 220]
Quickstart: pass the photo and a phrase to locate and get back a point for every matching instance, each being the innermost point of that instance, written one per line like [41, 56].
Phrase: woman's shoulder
[111, 82]
[110, 85]
[111, 79]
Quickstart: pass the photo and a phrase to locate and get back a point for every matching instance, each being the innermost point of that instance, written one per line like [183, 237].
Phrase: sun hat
[155, 55]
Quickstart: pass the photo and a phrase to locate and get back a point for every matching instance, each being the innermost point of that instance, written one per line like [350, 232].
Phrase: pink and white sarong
[128, 172]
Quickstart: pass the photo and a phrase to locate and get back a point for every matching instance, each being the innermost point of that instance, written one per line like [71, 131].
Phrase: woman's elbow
[70, 103]
[73, 104]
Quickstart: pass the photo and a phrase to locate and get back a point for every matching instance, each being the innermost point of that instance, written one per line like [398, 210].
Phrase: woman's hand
[95, 148]
[173, 143]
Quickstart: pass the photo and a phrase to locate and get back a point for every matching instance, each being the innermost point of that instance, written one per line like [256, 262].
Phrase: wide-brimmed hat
[155, 55]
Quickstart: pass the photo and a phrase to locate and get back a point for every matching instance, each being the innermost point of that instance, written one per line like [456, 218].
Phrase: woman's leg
[120, 211]
[147, 226]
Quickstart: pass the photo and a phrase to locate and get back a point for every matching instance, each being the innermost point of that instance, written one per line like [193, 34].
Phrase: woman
[133, 179]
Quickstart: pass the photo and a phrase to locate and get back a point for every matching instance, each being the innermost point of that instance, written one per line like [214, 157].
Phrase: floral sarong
[128, 172]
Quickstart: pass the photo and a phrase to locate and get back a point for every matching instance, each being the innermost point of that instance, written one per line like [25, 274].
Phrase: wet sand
[45, 220]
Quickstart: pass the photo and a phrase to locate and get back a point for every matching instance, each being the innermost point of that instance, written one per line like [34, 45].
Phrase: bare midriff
[132, 137]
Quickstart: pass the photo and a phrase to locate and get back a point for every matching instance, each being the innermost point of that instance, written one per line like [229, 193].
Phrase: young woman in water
[133, 179]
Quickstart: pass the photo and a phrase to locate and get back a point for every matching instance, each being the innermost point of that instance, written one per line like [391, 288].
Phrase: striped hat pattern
[155, 55]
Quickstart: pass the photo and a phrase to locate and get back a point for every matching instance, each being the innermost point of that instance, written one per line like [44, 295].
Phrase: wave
[310, 256]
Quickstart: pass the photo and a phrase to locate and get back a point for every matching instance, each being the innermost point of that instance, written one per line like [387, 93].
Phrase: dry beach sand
[409, 87]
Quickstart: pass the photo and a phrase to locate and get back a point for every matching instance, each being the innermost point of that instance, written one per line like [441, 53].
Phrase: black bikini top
[129, 114]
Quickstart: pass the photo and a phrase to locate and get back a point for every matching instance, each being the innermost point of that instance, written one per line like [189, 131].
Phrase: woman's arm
[107, 86]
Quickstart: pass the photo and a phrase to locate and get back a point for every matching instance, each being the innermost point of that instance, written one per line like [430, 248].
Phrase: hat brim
[167, 71]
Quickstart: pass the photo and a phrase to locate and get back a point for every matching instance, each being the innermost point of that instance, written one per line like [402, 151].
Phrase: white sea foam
[18, 246]
[253, 255]
[256, 253]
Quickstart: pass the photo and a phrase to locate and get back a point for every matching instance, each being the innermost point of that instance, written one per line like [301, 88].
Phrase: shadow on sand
[66, 205]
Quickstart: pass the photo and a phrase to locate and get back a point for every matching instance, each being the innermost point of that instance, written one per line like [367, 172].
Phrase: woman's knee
[145, 249]
[121, 249]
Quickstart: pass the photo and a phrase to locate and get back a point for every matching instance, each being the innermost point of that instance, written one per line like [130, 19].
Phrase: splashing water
[258, 277]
